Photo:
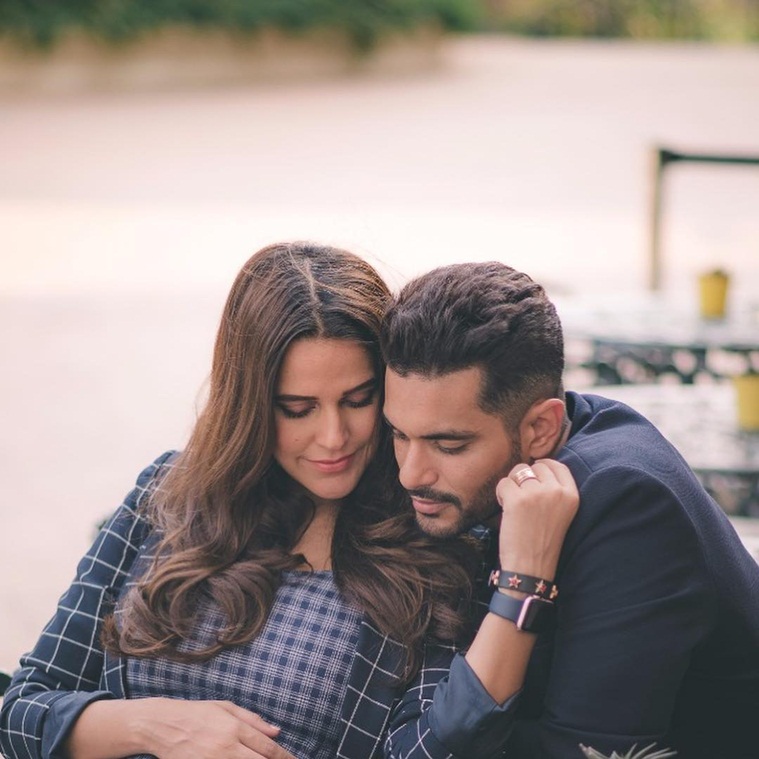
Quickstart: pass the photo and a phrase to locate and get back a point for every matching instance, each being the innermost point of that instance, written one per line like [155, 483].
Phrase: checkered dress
[68, 669]
[293, 674]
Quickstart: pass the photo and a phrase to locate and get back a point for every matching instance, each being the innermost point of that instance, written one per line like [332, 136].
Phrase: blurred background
[148, 147]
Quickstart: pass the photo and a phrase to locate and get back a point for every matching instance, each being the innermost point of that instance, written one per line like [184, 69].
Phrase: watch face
[537, 615]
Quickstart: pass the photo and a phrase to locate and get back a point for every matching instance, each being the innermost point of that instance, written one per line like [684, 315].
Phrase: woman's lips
[333, 466]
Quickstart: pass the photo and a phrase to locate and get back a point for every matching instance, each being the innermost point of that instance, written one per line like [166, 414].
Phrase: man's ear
[541, 428]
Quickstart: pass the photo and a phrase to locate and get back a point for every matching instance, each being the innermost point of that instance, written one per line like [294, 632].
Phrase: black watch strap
[531, 614]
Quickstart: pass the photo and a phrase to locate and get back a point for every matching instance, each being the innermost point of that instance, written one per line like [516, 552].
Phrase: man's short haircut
[484, 315]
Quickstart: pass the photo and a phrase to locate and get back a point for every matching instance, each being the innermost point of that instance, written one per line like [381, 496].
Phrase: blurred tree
[41, 23]
[640, 19]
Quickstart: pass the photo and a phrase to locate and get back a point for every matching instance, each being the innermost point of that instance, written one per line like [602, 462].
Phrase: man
[656, 637]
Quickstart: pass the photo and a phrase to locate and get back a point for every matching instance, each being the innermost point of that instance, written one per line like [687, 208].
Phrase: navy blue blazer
[658, 615]
[657, 638]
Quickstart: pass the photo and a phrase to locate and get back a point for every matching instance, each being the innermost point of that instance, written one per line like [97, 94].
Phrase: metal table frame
[663, 158]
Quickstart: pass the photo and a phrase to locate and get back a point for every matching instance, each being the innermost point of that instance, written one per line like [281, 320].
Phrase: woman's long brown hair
[228, 516]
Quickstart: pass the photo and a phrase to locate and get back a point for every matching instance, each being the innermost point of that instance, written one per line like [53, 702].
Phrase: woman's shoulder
[158, 468]
[131, 515]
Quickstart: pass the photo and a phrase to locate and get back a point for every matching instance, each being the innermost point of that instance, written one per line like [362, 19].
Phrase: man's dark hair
[484, 315]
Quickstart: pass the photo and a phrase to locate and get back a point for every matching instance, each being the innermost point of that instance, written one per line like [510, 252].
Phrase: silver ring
[523, 475]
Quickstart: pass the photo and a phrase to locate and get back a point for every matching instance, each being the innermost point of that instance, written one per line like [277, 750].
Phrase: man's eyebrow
[368, 385]
[449, 435]
[461, 435]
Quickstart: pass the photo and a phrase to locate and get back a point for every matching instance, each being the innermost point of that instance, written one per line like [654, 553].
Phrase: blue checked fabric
[67, 669]
[293, 674]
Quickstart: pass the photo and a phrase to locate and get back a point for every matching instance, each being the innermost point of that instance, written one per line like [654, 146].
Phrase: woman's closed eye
[296, 410]
[293, 409]
[360, 400]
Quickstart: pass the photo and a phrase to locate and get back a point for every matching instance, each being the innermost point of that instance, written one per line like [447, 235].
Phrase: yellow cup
[747, 399]
[712, 288]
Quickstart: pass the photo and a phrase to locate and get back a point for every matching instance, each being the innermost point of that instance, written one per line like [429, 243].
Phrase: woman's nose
[333, 430]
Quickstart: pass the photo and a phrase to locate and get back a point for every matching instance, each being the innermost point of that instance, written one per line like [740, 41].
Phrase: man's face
[450, 452]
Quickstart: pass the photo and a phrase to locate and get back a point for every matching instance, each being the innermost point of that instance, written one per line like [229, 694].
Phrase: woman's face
[326, 410]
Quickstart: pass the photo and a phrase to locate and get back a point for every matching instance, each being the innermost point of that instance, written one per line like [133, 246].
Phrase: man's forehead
[430, 403]
[467, 381]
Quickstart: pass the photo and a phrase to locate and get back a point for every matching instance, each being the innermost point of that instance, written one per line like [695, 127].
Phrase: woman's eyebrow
[369, 384]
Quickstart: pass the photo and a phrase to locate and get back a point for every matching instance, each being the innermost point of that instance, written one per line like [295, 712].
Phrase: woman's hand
[538, 508]
[536, 516]
[173, 729]
[211, 729]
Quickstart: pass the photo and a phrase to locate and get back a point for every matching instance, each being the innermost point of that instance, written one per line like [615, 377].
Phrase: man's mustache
[430, 494]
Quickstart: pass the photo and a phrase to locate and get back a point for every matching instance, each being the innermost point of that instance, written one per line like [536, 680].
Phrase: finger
[518, 477]
[557, 470]
[250, 718]
[522, 474]
[266, 747]
[258, 755]
[522, 466]
[504, 490]
[258, 722]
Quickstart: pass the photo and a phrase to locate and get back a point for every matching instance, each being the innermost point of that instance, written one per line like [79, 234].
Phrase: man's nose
[333, 430]
[414, 467]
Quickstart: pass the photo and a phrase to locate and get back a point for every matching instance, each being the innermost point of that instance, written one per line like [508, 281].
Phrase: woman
[263, 593]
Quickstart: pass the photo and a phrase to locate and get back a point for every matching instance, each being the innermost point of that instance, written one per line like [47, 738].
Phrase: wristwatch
[532, 614]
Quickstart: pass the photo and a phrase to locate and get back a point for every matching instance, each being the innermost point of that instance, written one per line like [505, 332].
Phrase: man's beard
[482, 507]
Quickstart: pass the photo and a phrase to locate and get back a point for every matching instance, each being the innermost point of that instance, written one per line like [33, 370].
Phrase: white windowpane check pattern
[68, 669]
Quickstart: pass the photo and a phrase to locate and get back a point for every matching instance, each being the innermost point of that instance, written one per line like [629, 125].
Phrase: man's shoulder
[606, 434]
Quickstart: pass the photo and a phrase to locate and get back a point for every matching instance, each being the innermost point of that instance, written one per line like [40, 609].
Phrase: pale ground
[125, 217]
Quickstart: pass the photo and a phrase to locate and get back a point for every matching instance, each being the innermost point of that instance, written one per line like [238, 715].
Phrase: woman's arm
[446, 693]
[55, 706]
[61, 675]
[470, 712]
[172, 729]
